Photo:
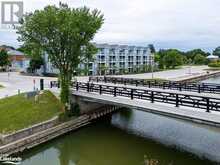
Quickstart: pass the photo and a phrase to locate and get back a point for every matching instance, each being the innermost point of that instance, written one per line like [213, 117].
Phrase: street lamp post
[152, 65]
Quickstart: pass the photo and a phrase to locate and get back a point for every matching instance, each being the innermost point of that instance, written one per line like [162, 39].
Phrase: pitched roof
[15, 52]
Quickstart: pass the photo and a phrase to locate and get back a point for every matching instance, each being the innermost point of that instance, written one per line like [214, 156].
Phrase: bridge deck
[210, 95]
[191, 114]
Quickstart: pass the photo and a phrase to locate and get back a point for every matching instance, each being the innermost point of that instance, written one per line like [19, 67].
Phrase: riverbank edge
[48, 134]
[14, 136]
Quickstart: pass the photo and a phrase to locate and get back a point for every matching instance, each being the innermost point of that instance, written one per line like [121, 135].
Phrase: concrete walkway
[185, 72]
[14, 82]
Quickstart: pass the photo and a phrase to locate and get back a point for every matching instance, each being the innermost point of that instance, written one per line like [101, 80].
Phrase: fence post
[136, 83]
[100, 89]
[124, 81]
[149, 84]
[77, 86]
[115, 88]
[104, 79]
[132, 94]
[152, 96]
[199, 89]
[207, 105]
[163, 85]
[180, 87]
[87, 87]
[177, 100]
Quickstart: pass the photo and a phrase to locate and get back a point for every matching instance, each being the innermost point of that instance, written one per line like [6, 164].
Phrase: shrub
[214, 64]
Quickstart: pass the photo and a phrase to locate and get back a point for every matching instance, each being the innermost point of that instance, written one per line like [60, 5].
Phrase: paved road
[15, 82]
[26, 83]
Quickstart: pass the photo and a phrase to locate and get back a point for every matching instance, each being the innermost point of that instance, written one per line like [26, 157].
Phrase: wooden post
[199, 89]
[177, 100]
[100, 89]
[163, 85]
[115, 88]
[149, 84]
[152, 96]
[207, 105]
[77, 86]
[132, 94]
[88, 87]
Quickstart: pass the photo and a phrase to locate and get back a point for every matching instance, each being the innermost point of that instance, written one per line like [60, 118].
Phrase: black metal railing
[178, 99]
[193, 87]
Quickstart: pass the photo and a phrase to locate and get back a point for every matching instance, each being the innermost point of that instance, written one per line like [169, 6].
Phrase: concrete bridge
[197, 107]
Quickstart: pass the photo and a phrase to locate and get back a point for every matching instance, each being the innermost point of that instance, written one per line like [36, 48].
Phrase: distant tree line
[171, 58]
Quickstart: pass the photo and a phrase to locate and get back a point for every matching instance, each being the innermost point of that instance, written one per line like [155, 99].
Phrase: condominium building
[119, 59]
[114, 59]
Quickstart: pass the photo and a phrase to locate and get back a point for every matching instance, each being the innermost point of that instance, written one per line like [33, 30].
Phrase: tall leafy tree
[173, 58]
[192, 53]
[152, 48]
[36, 63]
[63, 33]
[200, 60]
[216, 52]
[4, 58]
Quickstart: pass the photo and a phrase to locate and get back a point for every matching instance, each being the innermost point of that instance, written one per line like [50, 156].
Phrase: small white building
[212, 58]
[19, 62]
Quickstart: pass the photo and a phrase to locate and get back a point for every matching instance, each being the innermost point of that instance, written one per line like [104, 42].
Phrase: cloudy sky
[182, 24]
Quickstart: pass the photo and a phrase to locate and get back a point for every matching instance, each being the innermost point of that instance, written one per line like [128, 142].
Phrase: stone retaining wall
[5, 139]
[53, 132]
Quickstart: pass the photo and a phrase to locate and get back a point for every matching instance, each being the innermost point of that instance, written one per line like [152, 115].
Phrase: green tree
[216, 52]
[36, 63]
[200, 59]
[63, 33]
[152, 48]
[172, 58]
[192, 53]
[159, 58]
[4, 58]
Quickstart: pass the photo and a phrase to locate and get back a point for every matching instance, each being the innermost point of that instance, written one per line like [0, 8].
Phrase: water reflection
[125, 140]
[195, 138]
[213, 80]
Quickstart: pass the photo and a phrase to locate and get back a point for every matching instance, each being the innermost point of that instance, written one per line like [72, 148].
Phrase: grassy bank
[1, 86]
[19, 112]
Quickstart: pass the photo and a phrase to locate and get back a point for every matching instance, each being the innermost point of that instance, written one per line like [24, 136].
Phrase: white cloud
[183, 24]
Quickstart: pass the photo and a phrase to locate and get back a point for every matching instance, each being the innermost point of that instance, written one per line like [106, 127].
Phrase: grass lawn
[19, 112]
[213, 69]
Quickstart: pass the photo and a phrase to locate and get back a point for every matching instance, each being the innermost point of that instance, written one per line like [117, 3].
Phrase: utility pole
[152, 65]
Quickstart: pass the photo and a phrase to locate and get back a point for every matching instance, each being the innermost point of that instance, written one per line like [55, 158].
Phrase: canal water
[131, 137]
